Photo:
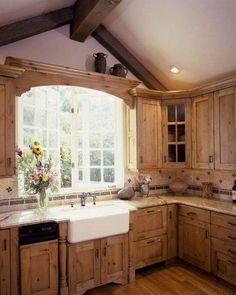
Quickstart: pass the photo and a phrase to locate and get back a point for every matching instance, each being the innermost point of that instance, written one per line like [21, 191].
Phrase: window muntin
[81, 128]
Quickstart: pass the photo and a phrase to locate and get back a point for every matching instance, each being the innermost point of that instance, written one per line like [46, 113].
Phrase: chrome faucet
[84, 196]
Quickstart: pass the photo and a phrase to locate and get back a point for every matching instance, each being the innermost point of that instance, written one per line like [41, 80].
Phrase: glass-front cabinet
[176, 133]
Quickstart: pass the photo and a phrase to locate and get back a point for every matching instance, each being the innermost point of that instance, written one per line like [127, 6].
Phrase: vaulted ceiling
[198, 36]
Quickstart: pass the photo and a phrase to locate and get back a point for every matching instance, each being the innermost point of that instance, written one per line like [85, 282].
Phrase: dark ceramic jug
[100, 62]
[118, 70]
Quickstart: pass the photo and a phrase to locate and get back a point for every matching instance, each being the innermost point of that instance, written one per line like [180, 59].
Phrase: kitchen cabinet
[144, 134]
[225, 128]
[202, 132]
[223, 244]
[39, 268]
[98, 262]
[172, 230]
[7, 127]
[149, 227]
[194, 238]
[4, 262]
[176, 129]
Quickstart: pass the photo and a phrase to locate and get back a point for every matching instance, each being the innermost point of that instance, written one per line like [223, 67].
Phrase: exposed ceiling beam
[35, 25]
[88, 15]
[114, 46]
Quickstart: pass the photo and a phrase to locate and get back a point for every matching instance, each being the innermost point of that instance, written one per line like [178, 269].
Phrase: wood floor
[175, 279]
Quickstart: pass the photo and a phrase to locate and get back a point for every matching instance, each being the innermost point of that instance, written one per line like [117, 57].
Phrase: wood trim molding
[114, 46]
[207, 88]
[35, 25]
[88, 15]
[40, 74]
[10, 71]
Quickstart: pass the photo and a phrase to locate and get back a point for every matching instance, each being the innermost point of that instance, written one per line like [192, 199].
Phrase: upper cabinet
[144, 134]
[176, 124]
[214, 130]
[202, 132]
[225, 128]
[7, 128]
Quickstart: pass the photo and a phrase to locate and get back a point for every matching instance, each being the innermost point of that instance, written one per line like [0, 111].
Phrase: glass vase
[42, 198]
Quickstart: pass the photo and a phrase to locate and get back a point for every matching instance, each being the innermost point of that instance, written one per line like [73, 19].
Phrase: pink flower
[34, 178]
[19, 152]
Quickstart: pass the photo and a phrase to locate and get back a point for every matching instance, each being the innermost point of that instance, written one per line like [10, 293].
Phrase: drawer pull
[206, 234]
[4, 245]
[150, 211]
[232, 262]
[153, 241]
[231, 223]
[191, 213]
[104, 251]
[97, 253]
[231, 251]
[232, 238]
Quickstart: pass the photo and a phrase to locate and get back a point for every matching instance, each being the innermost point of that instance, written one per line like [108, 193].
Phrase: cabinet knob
[210, 159]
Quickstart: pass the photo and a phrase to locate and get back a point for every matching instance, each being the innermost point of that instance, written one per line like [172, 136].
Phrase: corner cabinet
[4, 262]
[176, 125]
[144, 134]
[7, 127]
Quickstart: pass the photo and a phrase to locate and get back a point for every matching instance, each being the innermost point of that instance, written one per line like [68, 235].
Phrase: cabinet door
[202, 132]
[194, 242]
[150, 251]
[150, 222]
[114, 259]
[39, 268]
[83, 266]
[4, 263]
[7, 122]
[172, 229]
[176, 124]
[224, 266]
[149, 133]
[225, 128]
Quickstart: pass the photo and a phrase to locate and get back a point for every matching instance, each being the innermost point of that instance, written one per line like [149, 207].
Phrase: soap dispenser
[234, 192]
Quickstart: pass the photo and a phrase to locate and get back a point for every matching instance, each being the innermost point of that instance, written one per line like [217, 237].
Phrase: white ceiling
[197, 35]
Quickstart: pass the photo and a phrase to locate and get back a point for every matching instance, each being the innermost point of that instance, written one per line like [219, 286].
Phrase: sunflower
[37, 150]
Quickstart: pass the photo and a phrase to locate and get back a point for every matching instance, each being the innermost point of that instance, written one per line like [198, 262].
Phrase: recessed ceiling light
[174, 69]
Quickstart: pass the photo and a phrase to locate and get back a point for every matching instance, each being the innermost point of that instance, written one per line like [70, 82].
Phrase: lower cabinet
[4, 262]
[97, 262]
[150, 251]
[39, 268]
[194, 242]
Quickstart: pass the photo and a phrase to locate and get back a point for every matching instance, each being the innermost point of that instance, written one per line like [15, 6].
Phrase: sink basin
[90, 223]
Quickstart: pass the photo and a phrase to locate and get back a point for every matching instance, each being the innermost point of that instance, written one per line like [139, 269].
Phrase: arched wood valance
[30, 74]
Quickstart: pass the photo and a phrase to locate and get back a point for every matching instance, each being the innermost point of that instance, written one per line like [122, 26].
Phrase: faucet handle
[94, 199]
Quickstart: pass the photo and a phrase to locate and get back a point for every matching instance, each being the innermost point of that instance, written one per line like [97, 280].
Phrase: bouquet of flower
[38, 173]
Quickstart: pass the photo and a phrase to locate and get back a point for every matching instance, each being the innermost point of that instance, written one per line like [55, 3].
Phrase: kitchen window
[80, 128]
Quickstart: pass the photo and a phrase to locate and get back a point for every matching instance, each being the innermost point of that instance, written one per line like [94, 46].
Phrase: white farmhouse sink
[88, 223]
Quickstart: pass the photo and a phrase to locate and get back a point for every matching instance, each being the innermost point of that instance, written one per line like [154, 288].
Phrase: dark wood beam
[35, 25]
[114, 46]
[88, 15]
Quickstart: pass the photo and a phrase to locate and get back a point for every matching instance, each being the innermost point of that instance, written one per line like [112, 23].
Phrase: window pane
[181, 153]
[109, 175]
[80, 140]
[95, 140]
[171, 113]
[80, 175]
[52, 120]
[80, 158]
[41, 136]
[41, 119]
[180, 112]
[65, 154]
[108, 141]
[95, 174]
[28, 136]
[28, 116]
[52, 139]
[172, 153]
[108, 158]
[95, 158]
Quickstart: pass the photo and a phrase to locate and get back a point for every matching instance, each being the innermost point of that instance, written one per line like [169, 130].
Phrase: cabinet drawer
[224, 247]
[224, 267]
[200, 214]
[223, 233]
[150, 251]
[224, 220]
[150, 222]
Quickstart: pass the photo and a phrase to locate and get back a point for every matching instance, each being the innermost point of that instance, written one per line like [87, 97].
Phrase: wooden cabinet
[225, 128]
[39, 268]
[7, 127]
[4, 262]
[97, 262]
[223, 244]
[149, 236]
[144, 134]
[172, 230]
[202, 132]
[176, 126]
[194, 241]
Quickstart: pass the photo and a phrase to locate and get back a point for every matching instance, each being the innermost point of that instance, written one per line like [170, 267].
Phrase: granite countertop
[62, 213]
